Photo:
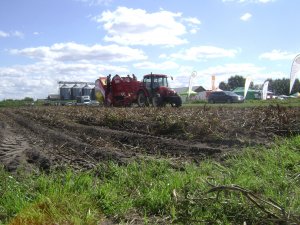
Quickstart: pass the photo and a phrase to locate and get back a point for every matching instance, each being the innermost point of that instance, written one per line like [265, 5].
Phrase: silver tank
[65, 92]
[87, 90]
[93, 95]
[76, 91]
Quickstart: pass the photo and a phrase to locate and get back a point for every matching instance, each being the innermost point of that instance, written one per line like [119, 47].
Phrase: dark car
[224, 97]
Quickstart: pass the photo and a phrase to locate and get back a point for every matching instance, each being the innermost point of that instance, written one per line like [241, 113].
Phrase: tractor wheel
[142, 100]
[156, 102]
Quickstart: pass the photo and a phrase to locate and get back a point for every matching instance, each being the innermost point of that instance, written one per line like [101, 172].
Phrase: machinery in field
[125, 91]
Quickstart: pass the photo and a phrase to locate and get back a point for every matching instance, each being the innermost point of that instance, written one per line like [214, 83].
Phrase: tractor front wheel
[142, 100]
[157, 102]
[177, 102]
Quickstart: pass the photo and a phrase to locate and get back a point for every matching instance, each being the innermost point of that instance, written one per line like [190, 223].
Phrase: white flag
[193, 75]
[265, 90]
[247, 84]
[294, 71]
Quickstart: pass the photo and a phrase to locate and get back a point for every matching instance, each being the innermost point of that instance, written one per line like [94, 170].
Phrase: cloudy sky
[43, 42]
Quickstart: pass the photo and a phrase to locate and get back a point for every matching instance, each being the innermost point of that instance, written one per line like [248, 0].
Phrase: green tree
[28, 99]
[282, 86]
[224, 86]
[233, 83]
[236, 81]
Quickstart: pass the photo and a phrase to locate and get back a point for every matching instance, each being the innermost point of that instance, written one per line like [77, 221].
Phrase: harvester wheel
[142, 100]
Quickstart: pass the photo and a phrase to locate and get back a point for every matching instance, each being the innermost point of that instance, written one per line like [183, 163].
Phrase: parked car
[224, 97]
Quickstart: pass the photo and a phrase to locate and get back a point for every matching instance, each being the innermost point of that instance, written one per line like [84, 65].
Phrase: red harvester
[125, 91]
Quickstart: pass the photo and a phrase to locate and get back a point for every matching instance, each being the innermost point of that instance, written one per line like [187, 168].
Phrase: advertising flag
[247, 84]
[295, 70]
[193, 75]
[265, 90]
[213, 82]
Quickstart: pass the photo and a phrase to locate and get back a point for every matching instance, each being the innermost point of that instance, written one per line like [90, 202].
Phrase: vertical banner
[193, 75]
[213, 82]
[294, 71]
[265, 90]
[247, 84]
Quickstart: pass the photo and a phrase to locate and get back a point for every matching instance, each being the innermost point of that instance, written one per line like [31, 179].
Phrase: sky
[46, 41]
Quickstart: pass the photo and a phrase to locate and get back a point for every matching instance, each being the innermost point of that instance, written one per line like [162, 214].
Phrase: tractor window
[160, 82]
[147, 82]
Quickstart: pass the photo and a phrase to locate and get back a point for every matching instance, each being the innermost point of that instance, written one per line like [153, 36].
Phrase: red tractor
[125, 91]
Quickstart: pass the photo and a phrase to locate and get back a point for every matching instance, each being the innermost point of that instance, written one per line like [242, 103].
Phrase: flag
[247, 84]
[265, 90]
[213, 81]
[193, 75]
[294, 71]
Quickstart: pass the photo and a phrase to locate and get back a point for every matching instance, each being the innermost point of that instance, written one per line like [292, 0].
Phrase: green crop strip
[256, 186]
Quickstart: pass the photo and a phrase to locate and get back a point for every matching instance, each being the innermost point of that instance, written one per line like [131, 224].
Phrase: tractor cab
[153, 82]
[157, 92]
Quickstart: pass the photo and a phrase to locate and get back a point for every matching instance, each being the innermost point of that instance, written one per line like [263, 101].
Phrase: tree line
[16, 102]
[277, 86]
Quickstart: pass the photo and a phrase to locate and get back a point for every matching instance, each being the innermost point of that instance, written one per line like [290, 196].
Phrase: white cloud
[278, 55]
[246, 17]
[63, 61]
[249, 1]
[167, 65]
[77, 52]
[15, 33]
[204, 52]
[129, 26]
[233, 69]
[193, 31]
[3, 34]
[222, 73]
[95, 2]
[40, 79]
[193, 24]
[192, 20]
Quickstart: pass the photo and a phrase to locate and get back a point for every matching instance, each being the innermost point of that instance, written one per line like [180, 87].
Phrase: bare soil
[48, 138]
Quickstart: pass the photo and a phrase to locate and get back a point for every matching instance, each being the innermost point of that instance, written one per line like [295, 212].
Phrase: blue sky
[42, 42]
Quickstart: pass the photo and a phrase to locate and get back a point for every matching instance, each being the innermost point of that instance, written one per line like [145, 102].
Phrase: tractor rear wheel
[142, 100]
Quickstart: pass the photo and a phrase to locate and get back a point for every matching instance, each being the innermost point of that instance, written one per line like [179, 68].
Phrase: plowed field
[81, 137]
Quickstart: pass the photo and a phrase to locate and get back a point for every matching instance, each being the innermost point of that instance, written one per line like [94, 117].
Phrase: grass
[156, 192]
[293, 102]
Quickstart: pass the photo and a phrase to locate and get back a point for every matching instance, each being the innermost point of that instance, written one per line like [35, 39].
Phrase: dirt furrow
[154, 145]
[69, 147]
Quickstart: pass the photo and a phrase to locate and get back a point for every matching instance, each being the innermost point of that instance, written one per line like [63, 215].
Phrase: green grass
[149, 190]
[13, 103]
[293, 102]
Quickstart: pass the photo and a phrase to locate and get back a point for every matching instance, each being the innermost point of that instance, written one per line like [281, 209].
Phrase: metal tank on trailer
[65, 92]
[76, 91]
